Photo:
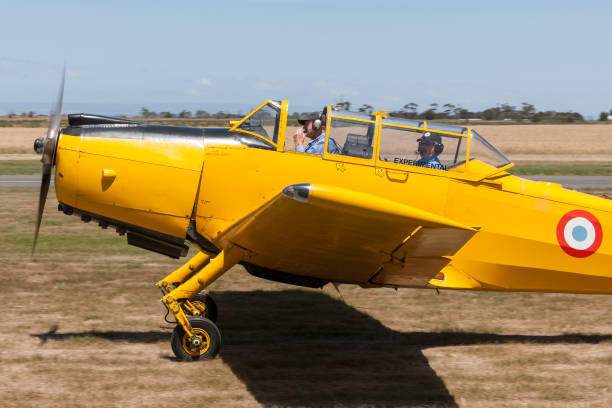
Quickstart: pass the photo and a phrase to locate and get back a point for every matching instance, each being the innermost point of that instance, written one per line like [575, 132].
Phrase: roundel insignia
[579, 233]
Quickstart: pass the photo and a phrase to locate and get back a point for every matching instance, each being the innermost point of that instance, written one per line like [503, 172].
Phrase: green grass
[562, 169]
[20, 167]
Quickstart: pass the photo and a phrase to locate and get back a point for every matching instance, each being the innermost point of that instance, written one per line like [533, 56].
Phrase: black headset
[438, 146]
[317, 123]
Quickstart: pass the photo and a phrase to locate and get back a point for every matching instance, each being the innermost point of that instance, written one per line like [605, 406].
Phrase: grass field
[20, 166]
[560, 169]
[84, 327]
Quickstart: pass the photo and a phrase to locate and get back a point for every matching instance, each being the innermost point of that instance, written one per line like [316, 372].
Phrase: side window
[422, 148]
[264, 122]
[351, 138]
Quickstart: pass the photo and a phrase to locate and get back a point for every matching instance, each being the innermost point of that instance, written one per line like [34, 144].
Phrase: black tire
[210, 307]
[206, 330]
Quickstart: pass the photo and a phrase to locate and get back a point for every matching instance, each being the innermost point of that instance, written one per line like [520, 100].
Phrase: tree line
[185, 114]
[502, 111]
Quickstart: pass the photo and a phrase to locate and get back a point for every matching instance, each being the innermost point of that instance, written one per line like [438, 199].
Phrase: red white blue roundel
[579, 233]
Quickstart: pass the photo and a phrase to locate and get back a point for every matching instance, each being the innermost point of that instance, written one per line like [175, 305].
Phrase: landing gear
[196, 337]
[201, 305]
[204, 344]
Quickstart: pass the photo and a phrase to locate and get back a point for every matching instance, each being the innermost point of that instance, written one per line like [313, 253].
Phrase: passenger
[313, 127]
[430, 146]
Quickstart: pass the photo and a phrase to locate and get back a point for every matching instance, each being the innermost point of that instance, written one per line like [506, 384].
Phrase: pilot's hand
[299, 137]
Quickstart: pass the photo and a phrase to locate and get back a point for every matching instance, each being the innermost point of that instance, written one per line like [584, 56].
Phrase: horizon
[134, 110]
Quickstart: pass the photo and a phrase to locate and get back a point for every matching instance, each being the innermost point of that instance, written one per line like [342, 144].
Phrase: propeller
[47, 147]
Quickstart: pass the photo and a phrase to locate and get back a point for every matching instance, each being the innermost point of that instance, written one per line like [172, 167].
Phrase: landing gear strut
[196, 336]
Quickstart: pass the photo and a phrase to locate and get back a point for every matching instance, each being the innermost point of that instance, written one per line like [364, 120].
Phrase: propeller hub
[39, 145]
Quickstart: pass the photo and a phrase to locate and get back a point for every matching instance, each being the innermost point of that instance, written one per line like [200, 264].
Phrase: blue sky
[554, 54]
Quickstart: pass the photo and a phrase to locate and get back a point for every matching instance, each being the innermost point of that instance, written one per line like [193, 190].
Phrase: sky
[553, 54]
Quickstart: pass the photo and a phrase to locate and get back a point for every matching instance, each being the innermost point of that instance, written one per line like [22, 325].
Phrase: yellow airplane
[366, 210]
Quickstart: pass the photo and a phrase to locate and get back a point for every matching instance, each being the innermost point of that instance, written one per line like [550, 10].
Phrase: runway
[21, 180]
[571, 182]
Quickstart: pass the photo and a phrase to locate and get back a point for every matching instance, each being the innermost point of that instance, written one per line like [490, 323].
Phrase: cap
[305, 117]
[430, 138]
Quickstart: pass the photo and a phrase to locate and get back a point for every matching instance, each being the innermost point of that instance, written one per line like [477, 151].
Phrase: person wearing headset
[313, 127]
[430, 146]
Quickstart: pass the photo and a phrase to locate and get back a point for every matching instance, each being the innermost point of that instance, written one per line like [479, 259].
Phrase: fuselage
[165, 185]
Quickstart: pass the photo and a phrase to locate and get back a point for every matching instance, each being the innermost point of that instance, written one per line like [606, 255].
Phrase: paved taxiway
[571, 182]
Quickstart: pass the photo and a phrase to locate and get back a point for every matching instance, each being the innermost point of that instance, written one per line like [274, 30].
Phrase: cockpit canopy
[381, 140]
[454, 145]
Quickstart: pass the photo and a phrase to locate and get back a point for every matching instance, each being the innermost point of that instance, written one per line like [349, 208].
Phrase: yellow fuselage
[161, 185]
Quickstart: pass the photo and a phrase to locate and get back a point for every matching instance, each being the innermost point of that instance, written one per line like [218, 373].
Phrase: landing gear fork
[199, 273]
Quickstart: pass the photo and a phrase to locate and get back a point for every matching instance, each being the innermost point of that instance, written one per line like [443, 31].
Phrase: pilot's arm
[300, 140]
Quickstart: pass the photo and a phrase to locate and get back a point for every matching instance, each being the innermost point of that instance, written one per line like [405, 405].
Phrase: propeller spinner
[47, 147]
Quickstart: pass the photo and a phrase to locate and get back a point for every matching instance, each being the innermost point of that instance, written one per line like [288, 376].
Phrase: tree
[508, 111]
[202, 114]
[603, 116]
[366, 108]
[448, 108]
[184, 114]
[346, 105]
[145, 113]
[527, 110]
[429, 114]
[411, 110]
[462, 113]
[166, 114]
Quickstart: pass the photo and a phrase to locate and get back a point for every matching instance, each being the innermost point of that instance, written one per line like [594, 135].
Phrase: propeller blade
[42, 198]
[56, 116]
[49, 145]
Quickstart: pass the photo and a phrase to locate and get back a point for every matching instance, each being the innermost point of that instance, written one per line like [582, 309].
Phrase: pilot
[430, 146]
[313, 127]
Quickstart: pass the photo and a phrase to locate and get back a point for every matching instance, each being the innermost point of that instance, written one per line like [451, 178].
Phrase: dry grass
[510, 139]
[84, 328]
[545, 139]
[19, 140]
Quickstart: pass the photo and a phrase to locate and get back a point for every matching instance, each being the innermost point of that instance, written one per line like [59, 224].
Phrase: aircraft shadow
[304, 348]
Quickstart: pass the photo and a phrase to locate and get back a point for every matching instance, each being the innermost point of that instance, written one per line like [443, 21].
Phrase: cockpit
[380, 140]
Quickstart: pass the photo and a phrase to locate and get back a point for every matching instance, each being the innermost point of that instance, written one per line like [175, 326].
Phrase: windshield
[262, 122]
[484, 151]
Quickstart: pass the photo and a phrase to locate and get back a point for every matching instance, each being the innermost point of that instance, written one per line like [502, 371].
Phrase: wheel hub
[196, 341]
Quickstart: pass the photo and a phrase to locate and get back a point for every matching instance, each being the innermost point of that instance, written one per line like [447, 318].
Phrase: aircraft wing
[347, 236]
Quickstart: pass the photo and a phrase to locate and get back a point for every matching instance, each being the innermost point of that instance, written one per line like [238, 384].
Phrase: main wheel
[206, 305]
[207, 332]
